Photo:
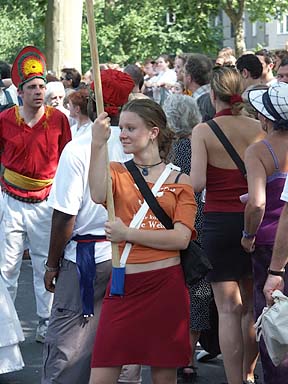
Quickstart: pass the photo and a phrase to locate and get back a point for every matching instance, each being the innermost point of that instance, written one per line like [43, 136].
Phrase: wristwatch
[247, 235]
[276, 273]
[51, 269]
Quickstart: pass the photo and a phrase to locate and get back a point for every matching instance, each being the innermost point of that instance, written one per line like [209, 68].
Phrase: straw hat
[272, 102]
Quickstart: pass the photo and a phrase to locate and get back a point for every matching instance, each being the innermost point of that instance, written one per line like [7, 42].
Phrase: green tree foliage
[130, 30]
[21, 24]
[258, 10]
[265, 10]
[133, 30]
[127, 30]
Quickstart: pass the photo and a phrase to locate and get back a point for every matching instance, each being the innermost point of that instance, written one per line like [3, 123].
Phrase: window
[282, 25]
[254, 29]
[170, 18]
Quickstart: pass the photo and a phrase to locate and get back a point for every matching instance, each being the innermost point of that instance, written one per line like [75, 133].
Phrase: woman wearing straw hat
[267, 167]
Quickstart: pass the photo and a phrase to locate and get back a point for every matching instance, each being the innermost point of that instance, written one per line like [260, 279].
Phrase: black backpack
[9, 103]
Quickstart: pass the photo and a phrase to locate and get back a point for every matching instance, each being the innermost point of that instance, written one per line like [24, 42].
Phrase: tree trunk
[63, 34]
[235, 12]
[53, 39]
[239, 40]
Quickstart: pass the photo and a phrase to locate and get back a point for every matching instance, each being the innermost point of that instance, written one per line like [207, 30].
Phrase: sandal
[251, 381]
[186, 377]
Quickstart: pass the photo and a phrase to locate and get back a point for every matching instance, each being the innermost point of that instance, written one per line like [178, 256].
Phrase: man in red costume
[32, 138]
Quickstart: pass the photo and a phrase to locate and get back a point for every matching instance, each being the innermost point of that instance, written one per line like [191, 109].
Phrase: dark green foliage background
[130, 30]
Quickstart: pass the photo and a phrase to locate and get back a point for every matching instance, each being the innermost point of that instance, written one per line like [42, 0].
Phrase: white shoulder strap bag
[272, 324]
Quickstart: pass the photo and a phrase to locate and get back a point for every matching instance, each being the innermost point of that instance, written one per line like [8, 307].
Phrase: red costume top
[31, 153]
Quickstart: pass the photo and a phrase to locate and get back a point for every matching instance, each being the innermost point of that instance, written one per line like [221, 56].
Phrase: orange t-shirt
[176, 199]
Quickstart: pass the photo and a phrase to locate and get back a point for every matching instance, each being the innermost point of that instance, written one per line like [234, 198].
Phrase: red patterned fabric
[32, 152]
[149, 325]
[116, 87]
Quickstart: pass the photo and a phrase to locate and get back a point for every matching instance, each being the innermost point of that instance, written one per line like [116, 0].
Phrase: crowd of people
[171, 119]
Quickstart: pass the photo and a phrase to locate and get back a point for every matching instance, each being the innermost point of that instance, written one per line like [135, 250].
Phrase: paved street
[212, 372]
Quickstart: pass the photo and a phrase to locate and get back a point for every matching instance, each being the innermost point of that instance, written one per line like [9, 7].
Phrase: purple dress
[261, 259]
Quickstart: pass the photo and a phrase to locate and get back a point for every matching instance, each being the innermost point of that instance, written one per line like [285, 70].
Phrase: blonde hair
[226, 82]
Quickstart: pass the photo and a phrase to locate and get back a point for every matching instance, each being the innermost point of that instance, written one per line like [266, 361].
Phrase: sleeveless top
[223, 190]
[274, 186]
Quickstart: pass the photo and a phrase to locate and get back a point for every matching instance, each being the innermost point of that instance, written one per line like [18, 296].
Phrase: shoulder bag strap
[138, 218]
[148, 195]
[228, 146]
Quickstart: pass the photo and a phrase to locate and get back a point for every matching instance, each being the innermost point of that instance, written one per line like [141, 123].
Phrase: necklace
[145, 168]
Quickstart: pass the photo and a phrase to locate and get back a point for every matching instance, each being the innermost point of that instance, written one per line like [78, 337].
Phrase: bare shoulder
[200, 130]
[249, 122]
[181, 178]
[252, 129]
[253, 150]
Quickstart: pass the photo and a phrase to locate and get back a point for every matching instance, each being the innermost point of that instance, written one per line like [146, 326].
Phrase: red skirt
[149, 325]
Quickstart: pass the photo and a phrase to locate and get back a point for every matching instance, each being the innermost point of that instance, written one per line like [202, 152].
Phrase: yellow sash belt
[25, 182]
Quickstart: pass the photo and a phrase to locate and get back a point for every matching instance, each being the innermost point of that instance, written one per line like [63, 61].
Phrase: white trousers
[25, 225]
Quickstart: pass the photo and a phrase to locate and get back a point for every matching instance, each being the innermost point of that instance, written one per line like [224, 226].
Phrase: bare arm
[279, 257]
[98, 167]
[199, 159]
[172, 239]
[255, 207]
[61, 231]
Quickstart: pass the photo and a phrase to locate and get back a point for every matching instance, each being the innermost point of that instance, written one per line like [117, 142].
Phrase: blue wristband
[247, 235]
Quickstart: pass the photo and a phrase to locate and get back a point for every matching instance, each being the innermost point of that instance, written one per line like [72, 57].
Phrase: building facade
[271, 35]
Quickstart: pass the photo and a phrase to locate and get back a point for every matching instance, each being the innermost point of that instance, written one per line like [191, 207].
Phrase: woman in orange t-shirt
[149, 325]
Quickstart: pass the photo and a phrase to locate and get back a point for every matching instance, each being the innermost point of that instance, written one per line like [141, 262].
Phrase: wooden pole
[100, 109]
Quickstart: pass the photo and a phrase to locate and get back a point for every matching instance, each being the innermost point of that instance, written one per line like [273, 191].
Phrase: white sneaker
[41, 330]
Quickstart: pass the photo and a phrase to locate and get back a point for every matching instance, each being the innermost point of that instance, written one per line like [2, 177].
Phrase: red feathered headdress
[29, 64]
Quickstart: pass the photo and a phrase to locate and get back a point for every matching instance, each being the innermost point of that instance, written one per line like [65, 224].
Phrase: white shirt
[70, 192]
[76, 132]
[13, 93]
[284, 195]
[167, 77]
